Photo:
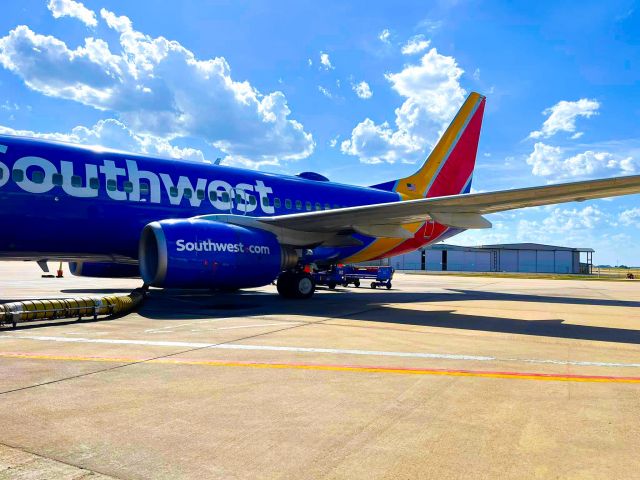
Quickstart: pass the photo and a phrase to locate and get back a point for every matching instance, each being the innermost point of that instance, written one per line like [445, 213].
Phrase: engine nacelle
[104, 270]
[193, 253]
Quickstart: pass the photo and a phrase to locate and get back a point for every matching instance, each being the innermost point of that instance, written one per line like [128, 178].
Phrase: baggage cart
[376, 276]
[331, 278]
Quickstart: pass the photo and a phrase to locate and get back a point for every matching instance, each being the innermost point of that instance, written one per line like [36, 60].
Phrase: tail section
[447, 171]
[449, 167]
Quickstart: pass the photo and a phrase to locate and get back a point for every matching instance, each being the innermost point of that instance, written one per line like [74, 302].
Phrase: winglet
[449, 167]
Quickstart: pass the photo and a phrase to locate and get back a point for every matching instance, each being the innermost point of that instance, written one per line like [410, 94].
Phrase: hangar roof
[509, 246]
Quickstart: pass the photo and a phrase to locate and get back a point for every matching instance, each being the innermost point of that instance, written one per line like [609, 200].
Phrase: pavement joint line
[53, 459]
[233, 346]
[211, 320]
[257, 325]
[348, 368]
[104, 370]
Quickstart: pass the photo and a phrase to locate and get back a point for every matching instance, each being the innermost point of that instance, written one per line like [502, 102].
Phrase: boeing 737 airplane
[180, 224]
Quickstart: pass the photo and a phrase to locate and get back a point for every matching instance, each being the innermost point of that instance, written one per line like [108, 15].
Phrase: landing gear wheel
[356, 283]
[389, 286]
[331, 285]
[296, 285]
[283, 284]
[304, 286]
[345, 284]
[373, 285]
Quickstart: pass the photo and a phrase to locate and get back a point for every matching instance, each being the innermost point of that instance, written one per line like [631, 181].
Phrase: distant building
[514, 257]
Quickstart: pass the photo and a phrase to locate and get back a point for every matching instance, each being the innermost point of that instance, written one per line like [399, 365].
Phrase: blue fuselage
[64, 201]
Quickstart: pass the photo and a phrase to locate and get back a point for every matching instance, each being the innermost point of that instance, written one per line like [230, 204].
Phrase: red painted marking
[458, 167]
[418, 240]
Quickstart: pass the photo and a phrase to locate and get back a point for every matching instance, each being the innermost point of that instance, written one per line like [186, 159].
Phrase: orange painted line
[341, 368]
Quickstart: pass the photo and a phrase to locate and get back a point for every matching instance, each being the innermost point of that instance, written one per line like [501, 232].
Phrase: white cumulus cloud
[324, 91]
[112, 133]
[70, 8]
[325, 61]
[362, 89]
[547, 160]
[384, 35]
[158, 87]
[562, 117]
[630, 217]
[415, 45]
[562, 220]
[432, 94]
[570, 224]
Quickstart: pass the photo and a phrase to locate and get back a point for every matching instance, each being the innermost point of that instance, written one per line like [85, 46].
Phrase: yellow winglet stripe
[415, 185]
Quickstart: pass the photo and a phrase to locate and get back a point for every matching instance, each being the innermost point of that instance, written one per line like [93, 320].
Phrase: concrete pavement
[440, 377]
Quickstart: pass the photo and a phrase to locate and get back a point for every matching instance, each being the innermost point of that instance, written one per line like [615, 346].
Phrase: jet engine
[196, 253]
[104, 270]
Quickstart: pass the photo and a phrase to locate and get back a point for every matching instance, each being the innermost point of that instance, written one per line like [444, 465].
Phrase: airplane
[184, 224]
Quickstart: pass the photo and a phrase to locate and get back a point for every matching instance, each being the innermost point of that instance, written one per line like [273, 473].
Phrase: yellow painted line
[340, 368]
[27, 356]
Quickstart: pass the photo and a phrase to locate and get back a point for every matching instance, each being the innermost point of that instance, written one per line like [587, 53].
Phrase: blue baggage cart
[331, 278]
[377, 276]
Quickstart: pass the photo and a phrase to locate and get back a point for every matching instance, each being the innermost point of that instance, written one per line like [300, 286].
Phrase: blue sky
[358, 91]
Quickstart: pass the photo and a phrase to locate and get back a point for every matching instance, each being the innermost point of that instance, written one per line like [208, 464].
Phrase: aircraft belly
[380, 247]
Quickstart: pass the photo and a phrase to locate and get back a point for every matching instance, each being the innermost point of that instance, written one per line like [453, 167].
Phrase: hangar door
[526, 260]
[412, 260]
[481, 261]
[468, 261]
[455, 261]
[433, 260]
[564, 261]
[546, 260]
[508, 261]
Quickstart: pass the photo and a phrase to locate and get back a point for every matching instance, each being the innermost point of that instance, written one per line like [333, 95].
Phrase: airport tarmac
[440, 377]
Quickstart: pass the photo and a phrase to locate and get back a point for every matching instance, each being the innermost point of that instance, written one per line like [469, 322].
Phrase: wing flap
[460, 220]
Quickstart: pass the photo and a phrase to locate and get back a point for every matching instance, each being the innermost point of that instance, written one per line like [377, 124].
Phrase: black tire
[331, 285]
[284, 284]
[356, 283]
[296, 285]
[389, 286]
[345, 284]
[373, 285]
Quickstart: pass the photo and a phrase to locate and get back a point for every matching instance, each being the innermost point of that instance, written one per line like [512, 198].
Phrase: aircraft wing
[463, 211]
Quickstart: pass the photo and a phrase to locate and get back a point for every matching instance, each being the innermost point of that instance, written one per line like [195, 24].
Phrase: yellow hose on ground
[79, 307]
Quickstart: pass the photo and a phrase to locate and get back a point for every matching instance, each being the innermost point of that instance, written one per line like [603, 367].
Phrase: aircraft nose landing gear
[295, 284]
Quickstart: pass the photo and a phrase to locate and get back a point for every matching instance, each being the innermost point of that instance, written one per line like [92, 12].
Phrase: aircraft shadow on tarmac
[374, 306]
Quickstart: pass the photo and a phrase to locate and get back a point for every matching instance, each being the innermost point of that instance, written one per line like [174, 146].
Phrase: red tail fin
[449, 167]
